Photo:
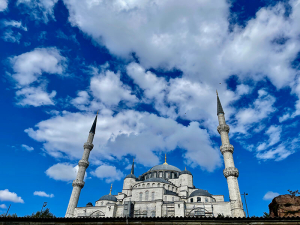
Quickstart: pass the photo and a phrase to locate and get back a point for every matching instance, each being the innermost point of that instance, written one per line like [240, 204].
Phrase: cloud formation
[63, 172]
[28, 148]
[6, 195]
[108, 173]
[43, 194]
[270, 195]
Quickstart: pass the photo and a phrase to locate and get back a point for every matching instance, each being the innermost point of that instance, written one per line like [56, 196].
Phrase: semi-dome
[200, 192]
[156, 180]
[130, 176]
[108, 198]
[164, 167]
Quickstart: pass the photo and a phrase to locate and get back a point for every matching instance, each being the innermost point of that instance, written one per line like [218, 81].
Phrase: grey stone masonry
[78, 184]
[230, 172]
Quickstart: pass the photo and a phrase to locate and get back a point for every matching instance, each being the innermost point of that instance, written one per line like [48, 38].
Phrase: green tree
[266, 215]
[42, 214]
[8, 215]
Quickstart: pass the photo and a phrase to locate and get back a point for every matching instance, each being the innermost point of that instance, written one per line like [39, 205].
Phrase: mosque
[164, 190]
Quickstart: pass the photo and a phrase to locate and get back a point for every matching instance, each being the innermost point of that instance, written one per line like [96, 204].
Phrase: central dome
[164, 167]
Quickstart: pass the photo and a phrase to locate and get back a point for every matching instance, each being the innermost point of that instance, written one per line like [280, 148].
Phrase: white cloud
[28, 70]
[63, 172]
[279, 153]
[274, 133]
[142, 135]
[28, 148]
[29, 66]
[108, 88]
[3, 5]
[108, 173]
[38, 9]
[270, 195]
[11, 36]
[34, 96]
[14, 23]
[6, 195]
[43, 194]
[3, 206]
[247, 117]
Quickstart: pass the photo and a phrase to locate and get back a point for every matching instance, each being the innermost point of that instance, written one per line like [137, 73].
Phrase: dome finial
[110, 189]
[166, 160]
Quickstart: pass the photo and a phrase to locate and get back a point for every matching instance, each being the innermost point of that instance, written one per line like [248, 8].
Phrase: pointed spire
[185, 168]
[166, 160]
[219, 106]
[132, 168]
[93, 128]
[110, 189]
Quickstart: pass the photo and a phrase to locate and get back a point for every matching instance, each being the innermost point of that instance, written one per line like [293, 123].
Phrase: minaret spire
[165, 160]
[110, 189]
[230, 172]
[83, 164]
[132, 167]
[219, 106]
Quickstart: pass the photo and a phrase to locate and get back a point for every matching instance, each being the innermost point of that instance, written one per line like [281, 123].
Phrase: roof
[186, 172]
[164, 167]
[219, 106]
[130, 176]
[167, 192]
[108, 198]
[200, 192]
[93, 128]
[89, 204]
[156, 180]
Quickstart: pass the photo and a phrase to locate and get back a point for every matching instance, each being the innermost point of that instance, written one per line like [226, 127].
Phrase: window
[101, 203]
[153, 193]
[198, 199]
[191, 199]
[154, 175]
[206, 199]
[172, 199]
[158, 185]
[160, 174]
[141, 196]
[153, 214]
[148, 185]
[167, 175]
[146, 195]
[165, 198]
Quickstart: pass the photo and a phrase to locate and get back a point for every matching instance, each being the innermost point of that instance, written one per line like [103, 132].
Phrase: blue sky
[152, 68]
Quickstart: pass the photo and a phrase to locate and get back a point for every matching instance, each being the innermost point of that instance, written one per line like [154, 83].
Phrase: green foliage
[8, 215]
[293, 193]
[266, 215]
[42, 214]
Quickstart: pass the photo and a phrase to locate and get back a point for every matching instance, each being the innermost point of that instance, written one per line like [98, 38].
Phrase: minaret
[230, 172]
[132, 167]
[83, 164]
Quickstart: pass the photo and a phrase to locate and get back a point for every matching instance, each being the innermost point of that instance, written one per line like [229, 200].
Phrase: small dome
[164, 167]
[200, 192]
[130, 176]
[156, 180]
[108, 198]
[185, 172]
[89, 204]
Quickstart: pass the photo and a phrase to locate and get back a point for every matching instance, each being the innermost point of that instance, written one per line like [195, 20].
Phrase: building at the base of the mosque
[164, 190]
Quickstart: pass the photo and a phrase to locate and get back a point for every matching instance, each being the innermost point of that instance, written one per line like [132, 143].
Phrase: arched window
[198, 199]
[165, 198]
[101, 203]
[141, 196]
[153, 193]
[148, 185]
[158, 185]
[160, 174]
[192, 200]
[206, 199]
[154, 175]
[146, 195]
[167, 175]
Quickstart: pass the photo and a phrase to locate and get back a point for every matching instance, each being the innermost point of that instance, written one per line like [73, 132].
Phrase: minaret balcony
[226, 148]
[88, 146]
[78, 183]
[223, 127]
[83, 163]
[230, 171]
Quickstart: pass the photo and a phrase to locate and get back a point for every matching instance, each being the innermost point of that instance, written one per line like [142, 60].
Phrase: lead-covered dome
[200, 192]
[164, 167]
[130, 176]
[108, 198]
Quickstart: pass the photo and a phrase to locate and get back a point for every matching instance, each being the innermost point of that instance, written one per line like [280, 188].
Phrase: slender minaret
[230, 172]
[132, 167]
[83, 164]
